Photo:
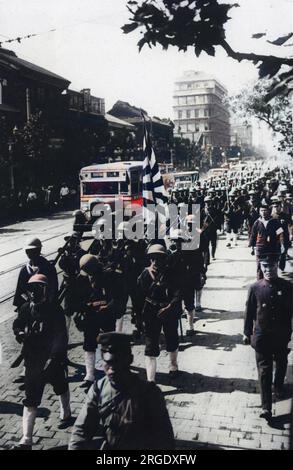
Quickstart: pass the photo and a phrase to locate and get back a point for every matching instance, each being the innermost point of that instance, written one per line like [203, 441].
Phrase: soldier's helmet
[33, 244]
[208, 199]
[79, 216]
[70, 235]
[157, 249]
[38, 279]
[89, 265]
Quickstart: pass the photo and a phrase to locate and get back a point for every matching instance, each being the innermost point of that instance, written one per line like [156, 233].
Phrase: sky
[89, 48]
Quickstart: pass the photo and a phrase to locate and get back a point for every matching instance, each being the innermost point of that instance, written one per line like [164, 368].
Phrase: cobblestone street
[214, 404]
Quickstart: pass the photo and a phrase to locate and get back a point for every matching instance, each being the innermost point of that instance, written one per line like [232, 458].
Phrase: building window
[196, 113]
[206, 112]
[182, 100]
[188, 114]
[191, 127]
[179, 114]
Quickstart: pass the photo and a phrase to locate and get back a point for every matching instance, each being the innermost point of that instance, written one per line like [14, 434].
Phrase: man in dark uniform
[37, 264]
[268, 328]
[159, 289]
[69, 263]
[267, 237]
[122, 411]
[40, 327]
[97, 308]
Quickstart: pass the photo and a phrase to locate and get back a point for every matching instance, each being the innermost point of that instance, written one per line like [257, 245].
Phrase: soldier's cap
[251, 193]
[38, 279]
[289, 196]
[114, 343]
[72, 235]
[207, 199]
[274, 198]
[269, 259]
[264, 206]
[33, 244]
[157, 249]
[89, 265]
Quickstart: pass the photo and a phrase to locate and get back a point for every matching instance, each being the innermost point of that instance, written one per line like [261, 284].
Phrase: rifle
[34, 328]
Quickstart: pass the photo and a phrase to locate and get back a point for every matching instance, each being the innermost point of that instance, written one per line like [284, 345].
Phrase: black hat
[113, 342]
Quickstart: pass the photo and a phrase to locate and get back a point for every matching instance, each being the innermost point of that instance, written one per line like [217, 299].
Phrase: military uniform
[267, 323]
[122, 411]
[40, 326]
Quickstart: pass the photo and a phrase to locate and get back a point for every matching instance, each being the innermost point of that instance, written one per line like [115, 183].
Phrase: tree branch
[252, 57]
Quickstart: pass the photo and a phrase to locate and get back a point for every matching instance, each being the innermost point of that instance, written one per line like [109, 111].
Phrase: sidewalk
[214, 404]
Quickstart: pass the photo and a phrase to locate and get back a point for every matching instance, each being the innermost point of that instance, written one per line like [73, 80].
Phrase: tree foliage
[277, 114]
[200, 24]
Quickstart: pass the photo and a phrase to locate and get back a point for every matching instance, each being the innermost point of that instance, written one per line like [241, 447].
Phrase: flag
[153, 190]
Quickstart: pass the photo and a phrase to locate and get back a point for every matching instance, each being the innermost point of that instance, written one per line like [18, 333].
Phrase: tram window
[124, 187]
[134, 186]
[100, 187]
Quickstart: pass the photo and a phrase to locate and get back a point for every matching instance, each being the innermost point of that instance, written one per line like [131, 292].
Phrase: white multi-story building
[201, 114]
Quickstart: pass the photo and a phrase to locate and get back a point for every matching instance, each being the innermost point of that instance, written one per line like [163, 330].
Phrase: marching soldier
[97, 309]
[40, 327]
[232, 217]
[283, 219]
[267, 237]
[162, 308]
[37, 264]
[69, 263]
[125, 412]
[268, 328]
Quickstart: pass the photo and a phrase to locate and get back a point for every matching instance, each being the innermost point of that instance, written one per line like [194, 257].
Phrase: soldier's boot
[65, 410]
[198, 307]
[151, 368]
[173, 366]
[28, 423]
[190, 316]
[228, 239]
[235, 237]
[119, 325]
[90, 360]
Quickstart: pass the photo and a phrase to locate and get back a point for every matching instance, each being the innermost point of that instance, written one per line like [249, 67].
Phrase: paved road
[214, 404]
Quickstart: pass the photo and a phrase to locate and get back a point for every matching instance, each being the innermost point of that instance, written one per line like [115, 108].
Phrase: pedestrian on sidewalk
[268, 328]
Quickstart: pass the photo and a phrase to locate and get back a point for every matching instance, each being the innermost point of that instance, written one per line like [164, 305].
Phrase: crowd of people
[161, 281]
[32, 201]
